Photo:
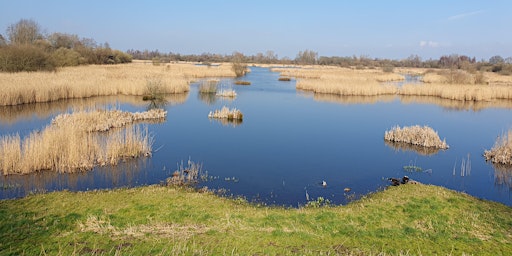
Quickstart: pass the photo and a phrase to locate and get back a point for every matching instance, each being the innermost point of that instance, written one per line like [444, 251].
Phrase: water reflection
[456, 105]
[503, 175]
[125, 174]
[227, 122]
[208, 98]
[401, 146]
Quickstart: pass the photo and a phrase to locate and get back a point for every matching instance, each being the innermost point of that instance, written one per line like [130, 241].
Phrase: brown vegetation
[501, 152]
[72, 144]
[242, 82]
[416, 135]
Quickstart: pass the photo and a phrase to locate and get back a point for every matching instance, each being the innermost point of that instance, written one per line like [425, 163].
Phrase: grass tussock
[186, 175]
[72, 143]
[501, 152]
[170, 220]
[101, 80]
[416, 135]
[228, 93]
[242, 82]
[284, 78]
[227, 113]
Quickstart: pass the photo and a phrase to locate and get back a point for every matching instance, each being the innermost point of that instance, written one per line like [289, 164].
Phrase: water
[289, 142]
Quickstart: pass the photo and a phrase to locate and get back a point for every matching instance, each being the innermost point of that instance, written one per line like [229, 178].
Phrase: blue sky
[378, 29]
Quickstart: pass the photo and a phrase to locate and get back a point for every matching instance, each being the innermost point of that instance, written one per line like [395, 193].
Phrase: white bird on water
[324, 184]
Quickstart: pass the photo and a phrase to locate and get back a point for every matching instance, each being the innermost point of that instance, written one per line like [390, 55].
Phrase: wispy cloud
[430, 44]
[464, 15]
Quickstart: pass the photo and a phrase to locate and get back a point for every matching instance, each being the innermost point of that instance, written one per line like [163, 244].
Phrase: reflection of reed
[208, 98]
[124, 174]
[503, 175]
[457, 105]
[448, 104]
[228, 122]
[401, 146]
[343, 99]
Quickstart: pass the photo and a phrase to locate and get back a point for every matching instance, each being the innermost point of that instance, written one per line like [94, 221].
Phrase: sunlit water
[289, 142]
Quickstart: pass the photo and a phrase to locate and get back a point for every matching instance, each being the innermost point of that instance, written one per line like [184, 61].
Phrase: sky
[377, 29]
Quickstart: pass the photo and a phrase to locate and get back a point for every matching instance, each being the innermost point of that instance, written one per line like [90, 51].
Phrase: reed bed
[416, 135]
[100, 80]
[104, 120]
[501, 152]
[462, 92]
[226, 113]
[69, 145]
[228, 93]
[454, 85]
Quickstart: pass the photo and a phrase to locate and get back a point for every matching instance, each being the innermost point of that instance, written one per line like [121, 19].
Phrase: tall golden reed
[70, 145]
[101, 80]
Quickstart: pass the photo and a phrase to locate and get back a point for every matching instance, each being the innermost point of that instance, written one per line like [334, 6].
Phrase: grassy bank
[101, 80]
[155, 220]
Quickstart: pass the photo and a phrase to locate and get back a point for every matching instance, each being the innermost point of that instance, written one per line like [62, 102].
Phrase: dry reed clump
[104, 120]
[422, 136]
[242, 82]
[226, 113]
[186, 175]
[101, 80]
[69, 145]
[228, 93]
[501, 152]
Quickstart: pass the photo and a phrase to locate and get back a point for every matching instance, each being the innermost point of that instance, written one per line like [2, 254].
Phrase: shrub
[388, 69]
[16, 58]
[66, 57]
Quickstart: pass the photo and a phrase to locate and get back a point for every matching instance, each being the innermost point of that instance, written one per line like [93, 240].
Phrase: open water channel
[288, 144]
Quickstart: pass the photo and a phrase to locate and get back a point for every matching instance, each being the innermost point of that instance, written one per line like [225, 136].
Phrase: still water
[288, 143]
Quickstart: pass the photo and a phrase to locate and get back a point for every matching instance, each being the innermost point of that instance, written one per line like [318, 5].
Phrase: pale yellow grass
[463, 92]
[416, 135]
[104, 120]
[68, 145]
[228, 93]
[226, 113]
[501, 152]
[101, 80]
[370, 82]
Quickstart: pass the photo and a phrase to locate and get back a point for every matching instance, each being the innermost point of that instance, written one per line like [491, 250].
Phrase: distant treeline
[26, 48]
[453, 61]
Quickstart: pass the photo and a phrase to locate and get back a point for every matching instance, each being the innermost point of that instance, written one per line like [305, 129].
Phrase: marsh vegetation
[423, 136]
[227, 113]
[72, 142]
[501, 152]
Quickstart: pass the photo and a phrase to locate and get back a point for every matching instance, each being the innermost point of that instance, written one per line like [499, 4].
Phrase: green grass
[156, 220]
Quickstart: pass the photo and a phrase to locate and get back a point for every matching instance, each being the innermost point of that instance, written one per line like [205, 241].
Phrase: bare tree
[3, 42]
[307, 57]
[24, 32]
